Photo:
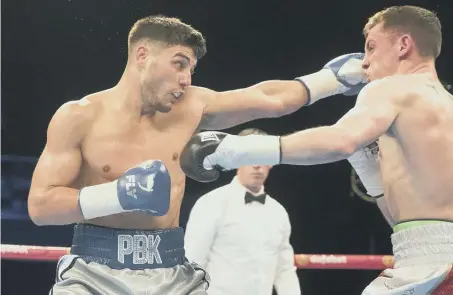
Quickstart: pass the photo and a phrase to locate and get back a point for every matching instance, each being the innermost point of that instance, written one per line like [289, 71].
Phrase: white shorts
[423, 259]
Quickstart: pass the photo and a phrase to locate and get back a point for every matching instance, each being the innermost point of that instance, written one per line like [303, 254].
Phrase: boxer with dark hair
[111, 161]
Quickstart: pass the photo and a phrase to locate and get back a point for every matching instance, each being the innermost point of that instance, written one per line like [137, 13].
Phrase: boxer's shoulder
[194, 100]
[408, 88]
[383, 84]
[199, 94]
[376, 91]
[392, 88]
[402, 84]
[75, 116]
[77, 111]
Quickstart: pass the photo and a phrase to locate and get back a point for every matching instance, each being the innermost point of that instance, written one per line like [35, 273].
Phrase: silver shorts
[115, 261]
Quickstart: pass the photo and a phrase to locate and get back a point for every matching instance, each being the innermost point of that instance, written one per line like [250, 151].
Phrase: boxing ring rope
[302, 261]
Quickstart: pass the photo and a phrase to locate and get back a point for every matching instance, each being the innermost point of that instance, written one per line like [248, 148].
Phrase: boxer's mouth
[177, 95]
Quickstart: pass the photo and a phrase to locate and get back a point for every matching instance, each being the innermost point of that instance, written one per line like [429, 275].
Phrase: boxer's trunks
[423, 258]
[116, 261]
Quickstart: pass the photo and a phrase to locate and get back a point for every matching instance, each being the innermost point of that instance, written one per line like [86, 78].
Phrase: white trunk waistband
[423, 243]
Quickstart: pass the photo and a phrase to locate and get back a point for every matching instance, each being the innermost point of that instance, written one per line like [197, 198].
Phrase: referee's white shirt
[244, 248]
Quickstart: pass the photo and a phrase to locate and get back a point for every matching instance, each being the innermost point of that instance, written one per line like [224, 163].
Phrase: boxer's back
[417, 151]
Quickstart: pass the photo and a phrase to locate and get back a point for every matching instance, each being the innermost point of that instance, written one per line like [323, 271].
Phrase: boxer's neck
[129, 94]
[419, 66]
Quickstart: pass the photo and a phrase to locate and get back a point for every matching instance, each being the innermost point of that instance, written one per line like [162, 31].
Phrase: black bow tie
[250, 198]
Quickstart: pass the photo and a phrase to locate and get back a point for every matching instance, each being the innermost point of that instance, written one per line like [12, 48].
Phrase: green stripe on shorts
[409, 224]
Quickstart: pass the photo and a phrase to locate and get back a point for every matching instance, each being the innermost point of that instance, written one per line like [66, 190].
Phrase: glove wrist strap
[369, 173]
[259, 150]
[99, 200]
[321, 84]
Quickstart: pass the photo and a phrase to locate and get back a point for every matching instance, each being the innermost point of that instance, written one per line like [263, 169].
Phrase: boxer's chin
[162, 105]
[165, 107]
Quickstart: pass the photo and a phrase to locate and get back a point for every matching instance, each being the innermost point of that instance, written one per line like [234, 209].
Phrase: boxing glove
[208, 153]
[145, 188]
[342, 75]
[366, 164]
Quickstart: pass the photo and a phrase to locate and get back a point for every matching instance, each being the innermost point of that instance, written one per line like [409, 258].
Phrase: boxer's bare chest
[116, 143]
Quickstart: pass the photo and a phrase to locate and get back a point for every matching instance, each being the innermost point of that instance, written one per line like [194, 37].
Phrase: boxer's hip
[422, 242]
[118, 261]
[125, 248]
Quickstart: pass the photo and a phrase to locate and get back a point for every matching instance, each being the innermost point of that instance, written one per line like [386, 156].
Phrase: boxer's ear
[141, 54]
[405, 45]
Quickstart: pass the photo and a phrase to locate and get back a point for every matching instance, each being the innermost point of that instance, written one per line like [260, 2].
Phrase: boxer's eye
[370, 47]
[180, 64]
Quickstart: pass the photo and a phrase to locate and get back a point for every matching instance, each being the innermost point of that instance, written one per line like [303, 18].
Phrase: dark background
[55, 50]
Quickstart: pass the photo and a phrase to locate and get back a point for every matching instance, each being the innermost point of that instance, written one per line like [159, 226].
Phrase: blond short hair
[421, 24]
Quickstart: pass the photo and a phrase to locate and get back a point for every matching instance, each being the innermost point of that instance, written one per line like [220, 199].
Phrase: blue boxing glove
[145, 188]
[342, 75]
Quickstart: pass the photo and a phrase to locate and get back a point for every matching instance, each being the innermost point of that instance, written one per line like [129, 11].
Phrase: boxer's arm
[286, 281]
[371, 117]
[52, 199]
[263, 100]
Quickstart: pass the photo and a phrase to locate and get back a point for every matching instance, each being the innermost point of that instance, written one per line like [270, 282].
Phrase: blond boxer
[408, 110]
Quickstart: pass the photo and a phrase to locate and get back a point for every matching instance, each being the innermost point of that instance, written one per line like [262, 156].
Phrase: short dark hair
[422, 24]
[170, 31]
[249, 131]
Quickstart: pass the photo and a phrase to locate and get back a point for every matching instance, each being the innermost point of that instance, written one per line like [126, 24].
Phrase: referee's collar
[235, 182]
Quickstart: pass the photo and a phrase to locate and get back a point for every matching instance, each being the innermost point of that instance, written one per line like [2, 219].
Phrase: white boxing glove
[208, 153]
[236, 151]
[366, 164]
[342, 75]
